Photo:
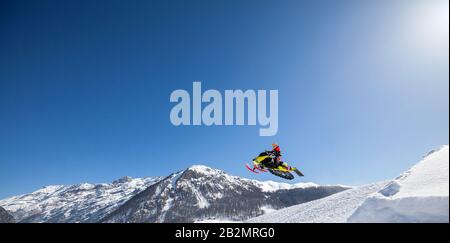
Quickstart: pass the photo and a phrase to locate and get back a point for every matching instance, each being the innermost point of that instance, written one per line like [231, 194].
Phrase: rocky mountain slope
[5, 216]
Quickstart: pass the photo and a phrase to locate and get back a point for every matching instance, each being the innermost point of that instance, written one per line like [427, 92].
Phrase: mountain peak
[445, 146]
[203, 169]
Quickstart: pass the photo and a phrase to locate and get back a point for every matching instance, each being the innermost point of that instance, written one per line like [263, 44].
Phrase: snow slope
[74, 203]
[332, 209]
[418, 195]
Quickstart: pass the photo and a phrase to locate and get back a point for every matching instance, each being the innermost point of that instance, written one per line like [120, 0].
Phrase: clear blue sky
[85, 85]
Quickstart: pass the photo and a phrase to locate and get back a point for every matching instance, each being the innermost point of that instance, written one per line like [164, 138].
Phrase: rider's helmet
[274, 145]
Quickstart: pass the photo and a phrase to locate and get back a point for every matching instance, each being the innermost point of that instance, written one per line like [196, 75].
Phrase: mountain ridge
[203, 192]
[82, 202]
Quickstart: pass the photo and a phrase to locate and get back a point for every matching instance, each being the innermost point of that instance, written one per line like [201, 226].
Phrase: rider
[276, 151]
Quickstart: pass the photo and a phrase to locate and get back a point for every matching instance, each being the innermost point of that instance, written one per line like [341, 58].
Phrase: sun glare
[431, 25]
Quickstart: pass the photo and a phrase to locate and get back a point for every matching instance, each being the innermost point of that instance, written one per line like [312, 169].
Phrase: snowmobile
[265, 163]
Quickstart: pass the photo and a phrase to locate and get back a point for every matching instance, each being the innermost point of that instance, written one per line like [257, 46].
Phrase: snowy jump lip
[420, 195]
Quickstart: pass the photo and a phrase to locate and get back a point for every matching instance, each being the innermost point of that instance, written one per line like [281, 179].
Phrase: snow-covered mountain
[5, 216]
[203, 194]
[75, 203]
[418, 195]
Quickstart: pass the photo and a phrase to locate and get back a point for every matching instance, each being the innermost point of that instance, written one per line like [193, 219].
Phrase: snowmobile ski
[251, 169]
[299, 173]
[260, 169]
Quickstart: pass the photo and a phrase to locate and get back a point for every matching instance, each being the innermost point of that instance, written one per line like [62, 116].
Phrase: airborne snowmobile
[265, 162]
